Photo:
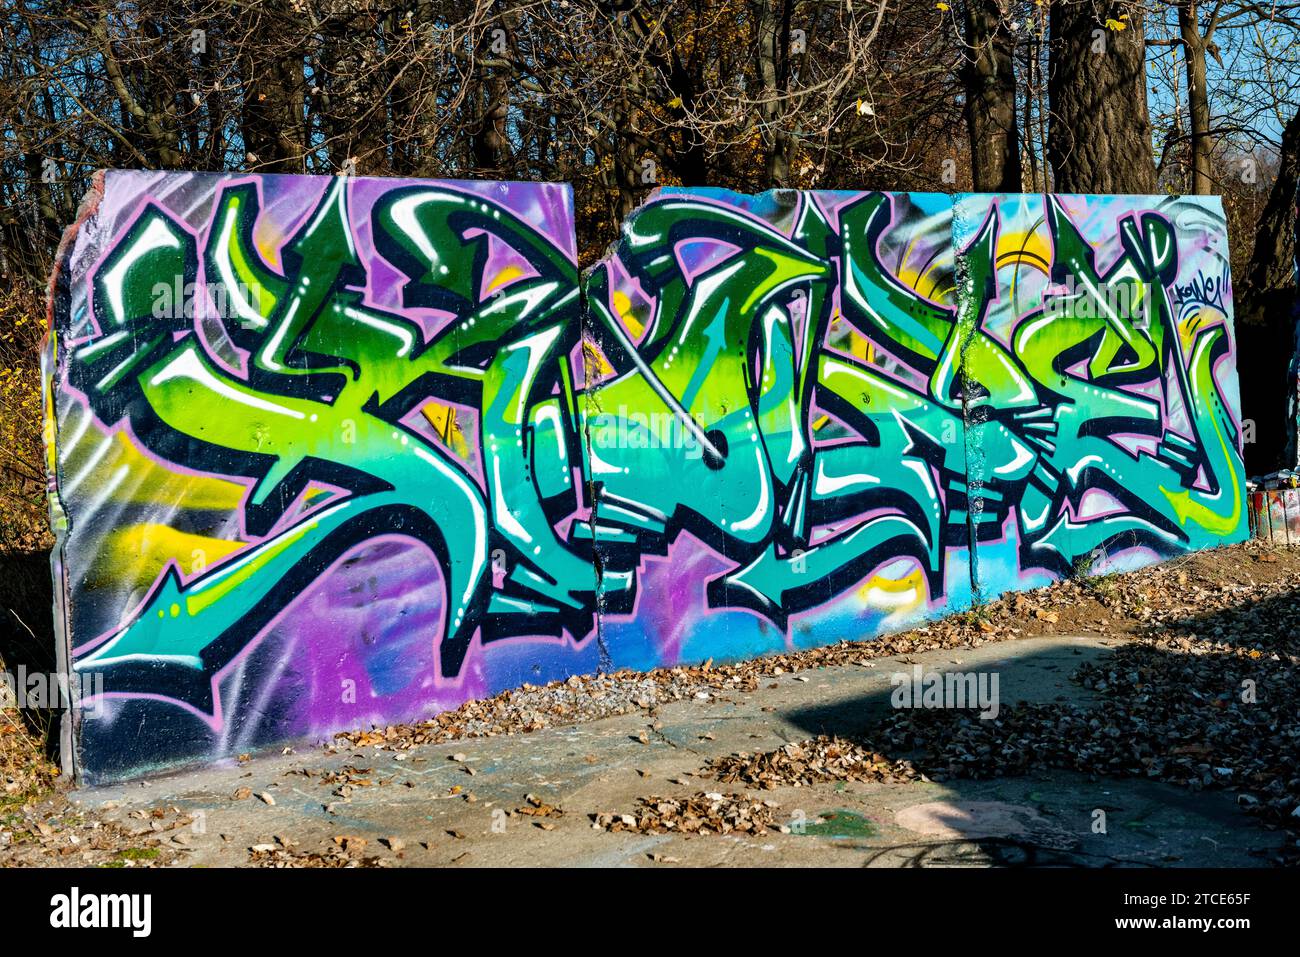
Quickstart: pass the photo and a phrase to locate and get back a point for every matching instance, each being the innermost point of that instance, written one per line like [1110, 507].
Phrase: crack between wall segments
[966, 332]
[589, 399]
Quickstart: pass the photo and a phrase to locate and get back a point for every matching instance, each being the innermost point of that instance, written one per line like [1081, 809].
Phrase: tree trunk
[773, 60]
[990, 80]
[1198, 97]
[625, 157]
[1099, 140]
[492, 147]
[271, 114]
[1266, 321]
[1271, 270]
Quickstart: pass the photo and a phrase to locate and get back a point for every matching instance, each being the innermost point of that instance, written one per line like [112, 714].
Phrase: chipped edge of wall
[57, 298]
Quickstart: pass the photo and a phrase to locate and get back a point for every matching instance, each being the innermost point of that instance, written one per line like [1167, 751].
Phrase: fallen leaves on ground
[54, 832]
[343, 852]
[1211, 708]
[1201, 697]
[812, 762]
[708, 813]
[536, 807]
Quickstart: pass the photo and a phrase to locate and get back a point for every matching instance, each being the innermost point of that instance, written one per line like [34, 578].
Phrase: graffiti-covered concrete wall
[329, 453]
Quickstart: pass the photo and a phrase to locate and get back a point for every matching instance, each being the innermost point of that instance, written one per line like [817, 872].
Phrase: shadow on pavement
[1162, 748]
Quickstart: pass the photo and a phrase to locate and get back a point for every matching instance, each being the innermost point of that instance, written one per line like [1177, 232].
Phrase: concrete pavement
[458, 804]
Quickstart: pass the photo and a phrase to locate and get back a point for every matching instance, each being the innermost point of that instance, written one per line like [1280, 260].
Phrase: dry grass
[27, 774]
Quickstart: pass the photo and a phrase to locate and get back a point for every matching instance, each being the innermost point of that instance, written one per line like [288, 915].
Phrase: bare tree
[1198, 31]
